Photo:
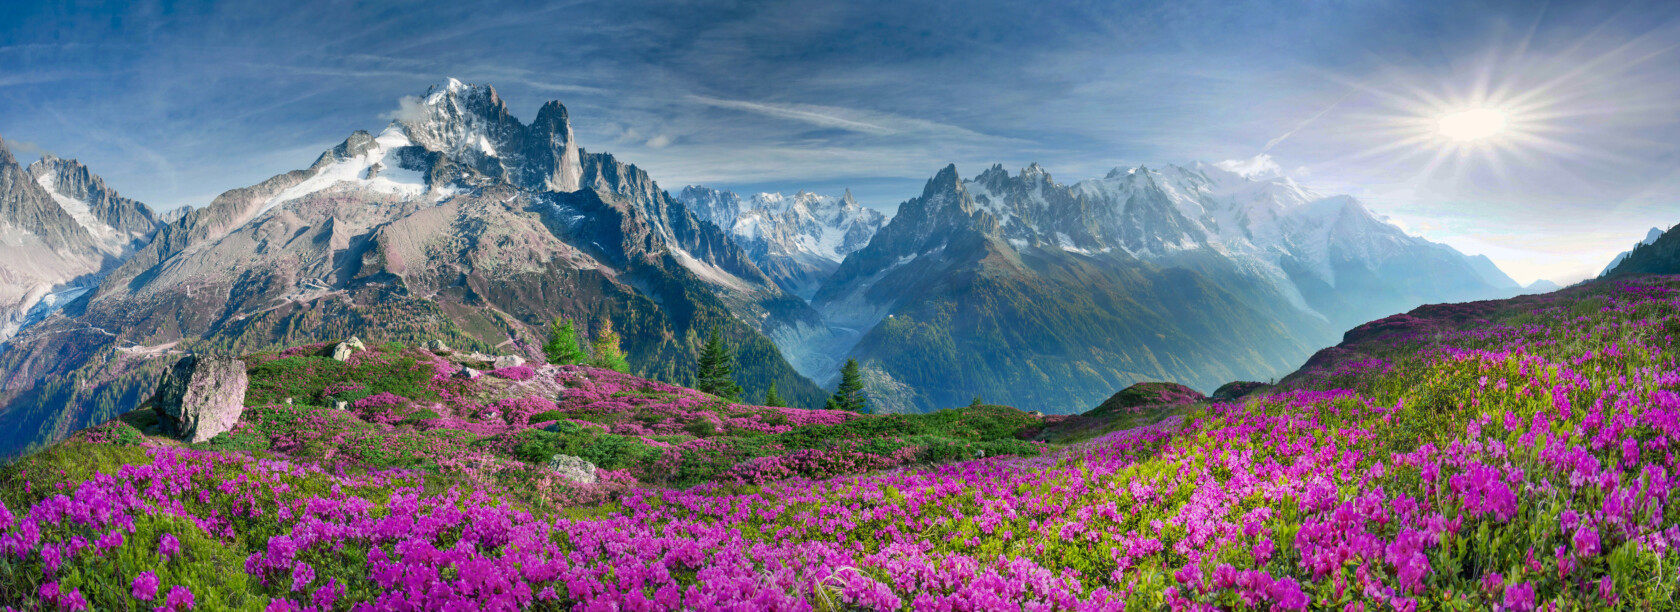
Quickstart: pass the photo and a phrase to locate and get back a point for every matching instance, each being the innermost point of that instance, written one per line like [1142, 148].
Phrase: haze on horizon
[1544, 136]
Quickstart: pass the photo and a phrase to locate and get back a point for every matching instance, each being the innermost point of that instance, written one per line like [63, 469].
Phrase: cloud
[25, 146]
[659, 142]
[825, 116]
[1258, 167]
[409, 108]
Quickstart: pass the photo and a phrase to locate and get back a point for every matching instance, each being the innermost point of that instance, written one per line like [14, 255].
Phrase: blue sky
[176, 102]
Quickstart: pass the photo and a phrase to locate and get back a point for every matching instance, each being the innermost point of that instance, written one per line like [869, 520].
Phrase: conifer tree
[607, 353]
[849, 396]
[976, 403]
[771, 398]
[715, 374]
[563, 347]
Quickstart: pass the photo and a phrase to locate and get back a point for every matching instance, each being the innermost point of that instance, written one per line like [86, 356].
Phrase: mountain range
[799, 240]
[1030, 291]
[461, 223]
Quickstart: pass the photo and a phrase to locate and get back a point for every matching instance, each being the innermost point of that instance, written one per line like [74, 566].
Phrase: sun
[1471, 125]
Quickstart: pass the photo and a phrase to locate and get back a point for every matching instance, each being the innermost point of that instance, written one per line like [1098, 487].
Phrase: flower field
[1517, 456]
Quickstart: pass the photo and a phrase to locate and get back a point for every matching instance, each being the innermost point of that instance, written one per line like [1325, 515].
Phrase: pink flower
[145, 586]
[168, 546]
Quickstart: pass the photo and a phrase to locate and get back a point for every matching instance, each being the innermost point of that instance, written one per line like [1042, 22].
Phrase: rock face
[508, 361]
[202, 396]
[60, 229]
[572, 468]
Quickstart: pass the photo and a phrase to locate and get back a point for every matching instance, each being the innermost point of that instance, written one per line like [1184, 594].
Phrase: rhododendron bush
[1520, 459]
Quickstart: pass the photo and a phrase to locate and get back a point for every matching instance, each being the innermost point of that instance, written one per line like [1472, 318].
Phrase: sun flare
[1471, 125]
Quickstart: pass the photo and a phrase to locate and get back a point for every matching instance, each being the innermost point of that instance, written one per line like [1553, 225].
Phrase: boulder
[201, 397]
[575, 469]
[341, 405]
[508, 361]
[1036, 413]
[437, 346]
[467, 373]
[343, 350]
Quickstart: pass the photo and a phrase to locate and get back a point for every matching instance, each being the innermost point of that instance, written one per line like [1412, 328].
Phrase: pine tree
[771, 398]
[607, 353]
[976, 403]
[715, 374]
[563, 347]
[850, 394]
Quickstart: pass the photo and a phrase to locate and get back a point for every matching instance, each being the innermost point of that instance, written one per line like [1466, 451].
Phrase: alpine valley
[461, 224]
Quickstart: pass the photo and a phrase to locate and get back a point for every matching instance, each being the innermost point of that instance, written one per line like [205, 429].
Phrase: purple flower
[145, 586]
[302, 575]
[168, 546]
[1520, 597]
[179, 599]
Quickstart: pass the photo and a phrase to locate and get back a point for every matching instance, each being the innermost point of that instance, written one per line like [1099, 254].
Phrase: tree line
[714, 369]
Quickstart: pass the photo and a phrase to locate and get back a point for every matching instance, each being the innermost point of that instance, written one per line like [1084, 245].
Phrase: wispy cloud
[825, 116]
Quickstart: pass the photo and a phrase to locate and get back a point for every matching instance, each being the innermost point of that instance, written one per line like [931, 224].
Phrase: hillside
[1511, 454]
[1658, 254]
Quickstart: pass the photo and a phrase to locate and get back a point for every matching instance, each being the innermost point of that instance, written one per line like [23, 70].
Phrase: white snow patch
[79, 210]
[390, 179]
[710, 273]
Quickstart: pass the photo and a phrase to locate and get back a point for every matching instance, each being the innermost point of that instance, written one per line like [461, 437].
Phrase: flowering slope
[1518, 461]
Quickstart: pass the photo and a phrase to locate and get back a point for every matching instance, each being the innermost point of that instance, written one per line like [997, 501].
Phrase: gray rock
[341, 405]
[202, 396]
[437, 346]
[288, 401]
[572, 468]
[467, 373]
[508, 361]
[343, 350]
[1036, 413]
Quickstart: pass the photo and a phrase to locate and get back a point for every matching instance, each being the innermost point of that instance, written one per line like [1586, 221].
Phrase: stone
[200, 397]
[341, 405]
[437, 346]
[343, 350]
[467, 373]
[508, 361]
[575, 469]
[288, 401]
[1036, 413]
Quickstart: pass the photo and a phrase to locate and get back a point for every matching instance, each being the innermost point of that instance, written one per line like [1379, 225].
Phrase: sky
[175, 102]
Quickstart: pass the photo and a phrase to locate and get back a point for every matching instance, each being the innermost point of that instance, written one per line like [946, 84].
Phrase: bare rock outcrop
[575, 469]
[201, 397]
